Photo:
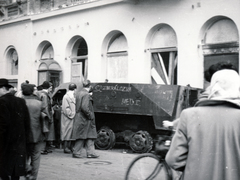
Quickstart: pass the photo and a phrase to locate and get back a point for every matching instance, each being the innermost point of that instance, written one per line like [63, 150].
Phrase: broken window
[163, 50]
[164, 67]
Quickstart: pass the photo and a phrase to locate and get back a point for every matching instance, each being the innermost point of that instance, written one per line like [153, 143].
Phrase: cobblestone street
[111, 164]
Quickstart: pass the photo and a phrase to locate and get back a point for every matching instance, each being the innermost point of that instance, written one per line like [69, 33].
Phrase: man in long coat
[84, 127]
[67, 117]
[48, 111]
[36, 136]
[206, 144]
[14, 118]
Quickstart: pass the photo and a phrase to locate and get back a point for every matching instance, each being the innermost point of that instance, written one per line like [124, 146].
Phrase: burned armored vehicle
[132, 114]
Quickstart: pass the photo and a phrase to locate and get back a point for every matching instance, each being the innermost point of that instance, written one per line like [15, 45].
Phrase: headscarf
[225, 84]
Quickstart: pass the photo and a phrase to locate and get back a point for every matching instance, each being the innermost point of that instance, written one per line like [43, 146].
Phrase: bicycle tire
[148, 166]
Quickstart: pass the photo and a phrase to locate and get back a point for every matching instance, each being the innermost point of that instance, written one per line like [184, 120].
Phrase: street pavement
[111, 165]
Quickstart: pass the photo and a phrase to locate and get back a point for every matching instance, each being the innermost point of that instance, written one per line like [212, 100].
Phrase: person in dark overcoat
[84, 126]
[36, 136]
[14, 119]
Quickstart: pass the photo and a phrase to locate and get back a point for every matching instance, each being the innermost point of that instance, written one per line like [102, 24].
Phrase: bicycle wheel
[148, 167]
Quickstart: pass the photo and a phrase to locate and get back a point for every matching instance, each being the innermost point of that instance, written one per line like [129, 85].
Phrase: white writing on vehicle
[131, 102]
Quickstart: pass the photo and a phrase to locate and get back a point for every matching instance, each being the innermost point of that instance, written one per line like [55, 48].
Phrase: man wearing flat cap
[14, 122]
[84, 127]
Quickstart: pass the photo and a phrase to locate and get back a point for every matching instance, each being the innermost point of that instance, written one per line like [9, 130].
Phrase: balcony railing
[10, 9]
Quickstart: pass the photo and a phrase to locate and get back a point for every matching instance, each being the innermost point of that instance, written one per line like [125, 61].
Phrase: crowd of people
[27, 127]
[205, 145]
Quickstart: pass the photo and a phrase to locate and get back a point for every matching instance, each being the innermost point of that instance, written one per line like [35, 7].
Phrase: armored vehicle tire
[105, 138]
[141, 142]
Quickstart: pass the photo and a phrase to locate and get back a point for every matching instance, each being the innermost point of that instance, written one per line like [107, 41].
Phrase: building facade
[123, 41]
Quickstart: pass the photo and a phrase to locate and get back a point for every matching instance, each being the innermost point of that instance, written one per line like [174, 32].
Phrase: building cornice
[61, 11]
[15, 20]
[75, 8]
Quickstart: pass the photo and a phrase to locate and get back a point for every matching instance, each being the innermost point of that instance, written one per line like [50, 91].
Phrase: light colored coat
[84, 123]
[68, 114]
[206, 144]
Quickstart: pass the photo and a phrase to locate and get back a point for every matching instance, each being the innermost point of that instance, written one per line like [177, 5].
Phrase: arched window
[221, 43]
[117, 59]
[12, 61]
[47, 52]
[221, 31]
[79, 59]
[163, 49]
[49, 69]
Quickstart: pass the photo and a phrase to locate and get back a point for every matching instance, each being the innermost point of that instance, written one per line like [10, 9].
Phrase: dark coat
[35, 130]
[84, 125]
[48, 111]
[14, 118]
[47, 105]
[206, 144]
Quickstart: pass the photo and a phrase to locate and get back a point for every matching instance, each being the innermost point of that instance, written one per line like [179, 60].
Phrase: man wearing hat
[36, 135]
[84, 127]
[19, 93]
[206, 142]
[14, 120]
[48, 111]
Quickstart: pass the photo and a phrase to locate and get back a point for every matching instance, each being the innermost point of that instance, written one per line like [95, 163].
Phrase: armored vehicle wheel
[105, 139]
[141, 142]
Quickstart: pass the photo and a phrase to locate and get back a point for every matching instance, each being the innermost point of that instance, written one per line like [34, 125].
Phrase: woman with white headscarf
[206, 144]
